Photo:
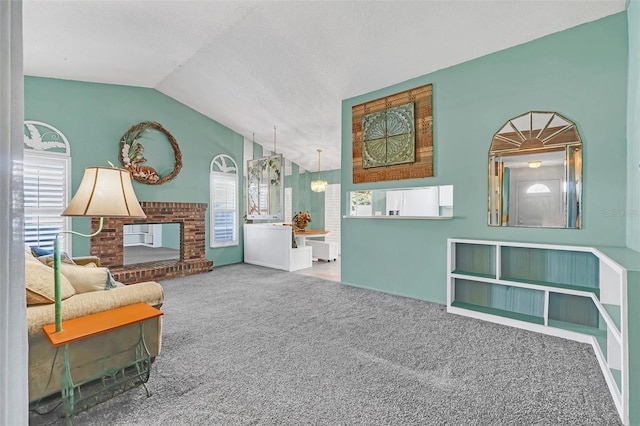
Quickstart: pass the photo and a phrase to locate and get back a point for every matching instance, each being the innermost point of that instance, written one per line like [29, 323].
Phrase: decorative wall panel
[393, 137]
[388, 137]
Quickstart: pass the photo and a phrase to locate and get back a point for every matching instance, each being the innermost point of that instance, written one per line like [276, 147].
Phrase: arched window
[47, 184]
[538, 188]
[223, 184]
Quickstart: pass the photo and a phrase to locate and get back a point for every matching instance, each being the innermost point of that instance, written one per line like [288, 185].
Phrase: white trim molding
[14, 351]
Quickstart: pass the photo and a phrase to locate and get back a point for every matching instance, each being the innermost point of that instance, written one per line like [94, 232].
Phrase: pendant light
[318, 185]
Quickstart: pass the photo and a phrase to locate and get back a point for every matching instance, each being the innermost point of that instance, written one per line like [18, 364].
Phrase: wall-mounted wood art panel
[368, 161]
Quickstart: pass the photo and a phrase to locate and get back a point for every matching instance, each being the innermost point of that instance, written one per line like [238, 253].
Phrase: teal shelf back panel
[476, 259]
[506, 298]
[474, 292]
[574, 309]
[553, 266]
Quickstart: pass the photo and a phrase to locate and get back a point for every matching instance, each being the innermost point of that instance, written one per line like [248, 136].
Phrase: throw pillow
[111, 282]
[39, 251]
[87, 278]
[47, 259]
[39, 281]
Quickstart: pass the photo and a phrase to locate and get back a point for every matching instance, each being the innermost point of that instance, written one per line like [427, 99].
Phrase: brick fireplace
[108, 245]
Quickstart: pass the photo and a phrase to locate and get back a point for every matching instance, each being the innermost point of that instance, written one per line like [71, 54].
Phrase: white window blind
[332, 213]
[224, 196]
[46, 194]
[223, 186]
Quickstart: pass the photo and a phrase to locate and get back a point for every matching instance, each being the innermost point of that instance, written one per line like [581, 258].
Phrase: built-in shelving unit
[574, 292]
[139, 235]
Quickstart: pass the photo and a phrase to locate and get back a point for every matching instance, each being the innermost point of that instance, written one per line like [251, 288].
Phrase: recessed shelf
[500, 312]
[474, 274]
[583, 329]
[593, 290]
[550, 265]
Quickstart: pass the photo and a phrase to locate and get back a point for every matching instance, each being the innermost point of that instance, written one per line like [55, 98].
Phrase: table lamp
[103, 192]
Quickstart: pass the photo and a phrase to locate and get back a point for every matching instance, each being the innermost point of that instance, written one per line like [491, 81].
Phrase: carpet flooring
[246, 345]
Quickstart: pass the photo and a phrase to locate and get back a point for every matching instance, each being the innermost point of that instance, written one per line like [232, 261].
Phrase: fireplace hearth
[108, 245]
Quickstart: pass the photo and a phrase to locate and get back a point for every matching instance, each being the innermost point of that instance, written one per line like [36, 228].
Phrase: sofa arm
[83, 260]
[83, 304]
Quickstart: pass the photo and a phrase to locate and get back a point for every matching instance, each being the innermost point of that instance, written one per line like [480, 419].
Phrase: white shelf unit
[141, 235]
[574, 292]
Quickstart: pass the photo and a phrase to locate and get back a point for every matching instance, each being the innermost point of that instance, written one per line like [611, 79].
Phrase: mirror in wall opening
[535, 173]
[151, 242]
[428, 201]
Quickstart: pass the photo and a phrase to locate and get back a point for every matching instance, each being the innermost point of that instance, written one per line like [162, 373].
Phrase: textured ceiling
[259, 64]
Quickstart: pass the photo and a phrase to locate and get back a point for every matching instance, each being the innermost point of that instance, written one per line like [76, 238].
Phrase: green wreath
[132, 154]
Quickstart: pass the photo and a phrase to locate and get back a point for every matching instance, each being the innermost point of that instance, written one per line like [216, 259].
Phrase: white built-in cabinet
[271, 245]
[573, 292]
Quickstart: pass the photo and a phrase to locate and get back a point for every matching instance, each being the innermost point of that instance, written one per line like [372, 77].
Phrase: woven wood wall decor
[132, 154]
[422, 99]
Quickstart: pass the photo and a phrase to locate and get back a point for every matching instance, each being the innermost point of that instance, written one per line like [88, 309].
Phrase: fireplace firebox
[108, 245]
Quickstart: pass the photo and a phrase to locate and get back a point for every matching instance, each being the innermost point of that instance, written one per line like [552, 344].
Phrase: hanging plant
[132, 154]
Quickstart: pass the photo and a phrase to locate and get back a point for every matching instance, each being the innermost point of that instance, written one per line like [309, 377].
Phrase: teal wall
[95, 116]
[580, 73]
[315, 200]
[300, 194]
[171, 235]
[633, 128]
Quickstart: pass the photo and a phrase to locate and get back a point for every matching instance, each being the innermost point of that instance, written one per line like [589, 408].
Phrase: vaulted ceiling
[253, 65]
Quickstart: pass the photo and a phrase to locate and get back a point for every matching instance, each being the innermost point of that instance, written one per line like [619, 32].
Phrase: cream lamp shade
[105, 192]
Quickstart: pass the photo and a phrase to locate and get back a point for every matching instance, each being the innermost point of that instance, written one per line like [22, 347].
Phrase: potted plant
[300, 220]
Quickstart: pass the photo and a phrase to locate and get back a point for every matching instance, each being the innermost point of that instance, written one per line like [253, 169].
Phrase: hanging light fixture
[318, 185]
